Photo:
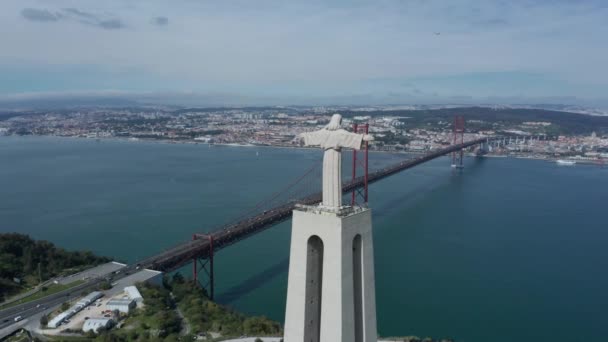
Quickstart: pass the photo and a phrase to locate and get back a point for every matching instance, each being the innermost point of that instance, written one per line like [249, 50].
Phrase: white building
[81, 304]
[134, 294]
[94, 324]
[122, 304]
[90, 298]
[55, 322]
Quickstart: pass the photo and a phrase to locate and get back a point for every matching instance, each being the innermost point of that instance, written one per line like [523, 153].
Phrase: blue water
[507, 250]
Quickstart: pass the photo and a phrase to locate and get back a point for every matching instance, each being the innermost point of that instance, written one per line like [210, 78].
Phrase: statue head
[335, 123]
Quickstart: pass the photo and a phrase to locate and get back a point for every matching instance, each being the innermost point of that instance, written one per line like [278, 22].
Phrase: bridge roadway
[180, 255]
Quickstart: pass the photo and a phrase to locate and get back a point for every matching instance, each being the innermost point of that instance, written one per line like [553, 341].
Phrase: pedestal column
[331, 290]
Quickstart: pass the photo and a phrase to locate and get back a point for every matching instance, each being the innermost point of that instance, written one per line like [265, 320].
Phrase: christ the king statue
[332, 139]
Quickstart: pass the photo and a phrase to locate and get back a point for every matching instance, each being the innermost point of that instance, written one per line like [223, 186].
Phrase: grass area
[20, 336]
[45, 291]
[205, 315]
[68, 338]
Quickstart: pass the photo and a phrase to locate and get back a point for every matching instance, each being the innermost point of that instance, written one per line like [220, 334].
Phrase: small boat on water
[565, 162]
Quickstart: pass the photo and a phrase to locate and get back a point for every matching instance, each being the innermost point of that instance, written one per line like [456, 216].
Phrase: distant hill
[565, 122]
[478, 117]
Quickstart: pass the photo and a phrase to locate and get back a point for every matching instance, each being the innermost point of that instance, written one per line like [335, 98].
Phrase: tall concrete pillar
[331, 293]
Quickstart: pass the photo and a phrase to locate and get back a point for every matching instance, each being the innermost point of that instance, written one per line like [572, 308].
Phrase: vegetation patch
[44, 291]
[159, 319]
[25, 263]
[205, 315]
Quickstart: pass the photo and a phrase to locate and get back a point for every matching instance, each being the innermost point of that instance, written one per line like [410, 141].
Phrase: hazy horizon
[317, 52]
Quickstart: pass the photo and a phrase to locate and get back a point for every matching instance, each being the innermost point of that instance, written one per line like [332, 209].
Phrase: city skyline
[306, 53]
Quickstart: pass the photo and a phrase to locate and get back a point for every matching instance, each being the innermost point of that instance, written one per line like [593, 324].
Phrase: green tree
[44, 320]
[33, 261]
[133, 335]
[106, 336]
[65, 306]
[105, 285]
[178, 278]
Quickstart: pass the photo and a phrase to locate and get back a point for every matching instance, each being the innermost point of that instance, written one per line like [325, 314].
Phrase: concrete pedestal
[331, 292]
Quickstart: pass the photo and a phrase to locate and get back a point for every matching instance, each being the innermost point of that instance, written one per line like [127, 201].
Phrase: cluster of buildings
[99, 313]
[276, 126]
[81, 304]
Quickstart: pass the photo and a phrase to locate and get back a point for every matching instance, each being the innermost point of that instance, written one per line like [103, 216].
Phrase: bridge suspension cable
[180, 255]
[300, 187]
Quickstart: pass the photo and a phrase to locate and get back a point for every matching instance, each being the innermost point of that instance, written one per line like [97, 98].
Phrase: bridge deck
[180, 255]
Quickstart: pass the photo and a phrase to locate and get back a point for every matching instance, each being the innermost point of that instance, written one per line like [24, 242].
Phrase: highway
[29, 309]
[7, 316]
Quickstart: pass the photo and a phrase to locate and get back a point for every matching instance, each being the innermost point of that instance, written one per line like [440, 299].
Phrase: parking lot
[76, 322]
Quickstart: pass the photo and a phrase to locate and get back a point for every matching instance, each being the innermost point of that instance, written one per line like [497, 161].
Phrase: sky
[382, 51]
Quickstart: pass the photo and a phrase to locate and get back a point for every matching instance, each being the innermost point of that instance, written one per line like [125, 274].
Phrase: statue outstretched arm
[334, 139]
[353, 140]
[316, 138]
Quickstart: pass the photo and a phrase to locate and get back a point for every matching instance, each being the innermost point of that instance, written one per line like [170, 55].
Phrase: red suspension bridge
[201, 249]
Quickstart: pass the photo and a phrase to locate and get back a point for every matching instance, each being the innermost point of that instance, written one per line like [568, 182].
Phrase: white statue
[332, 138]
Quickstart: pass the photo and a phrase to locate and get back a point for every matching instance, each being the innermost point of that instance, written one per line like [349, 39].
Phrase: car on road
[18, 318]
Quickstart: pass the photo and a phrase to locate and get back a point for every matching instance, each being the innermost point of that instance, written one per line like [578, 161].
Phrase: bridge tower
[458, 138]
[204, 266]
[360, 163]
[331, 287]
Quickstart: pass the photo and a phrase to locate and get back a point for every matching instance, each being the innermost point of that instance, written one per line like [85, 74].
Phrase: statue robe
[332, 142]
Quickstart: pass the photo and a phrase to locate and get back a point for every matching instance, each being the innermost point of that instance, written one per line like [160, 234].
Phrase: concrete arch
[358, 288]
[314, 295]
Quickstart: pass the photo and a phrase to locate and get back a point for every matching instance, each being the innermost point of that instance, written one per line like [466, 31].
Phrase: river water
[507, 250]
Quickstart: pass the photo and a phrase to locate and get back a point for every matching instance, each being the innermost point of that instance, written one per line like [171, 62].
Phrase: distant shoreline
[192, 142]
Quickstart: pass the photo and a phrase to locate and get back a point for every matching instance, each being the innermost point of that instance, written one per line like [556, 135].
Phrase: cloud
[43, 15]
[105, 21]
[108, 22]
[79, 13]
[160, 21]
[286, 48]
[111, 24]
